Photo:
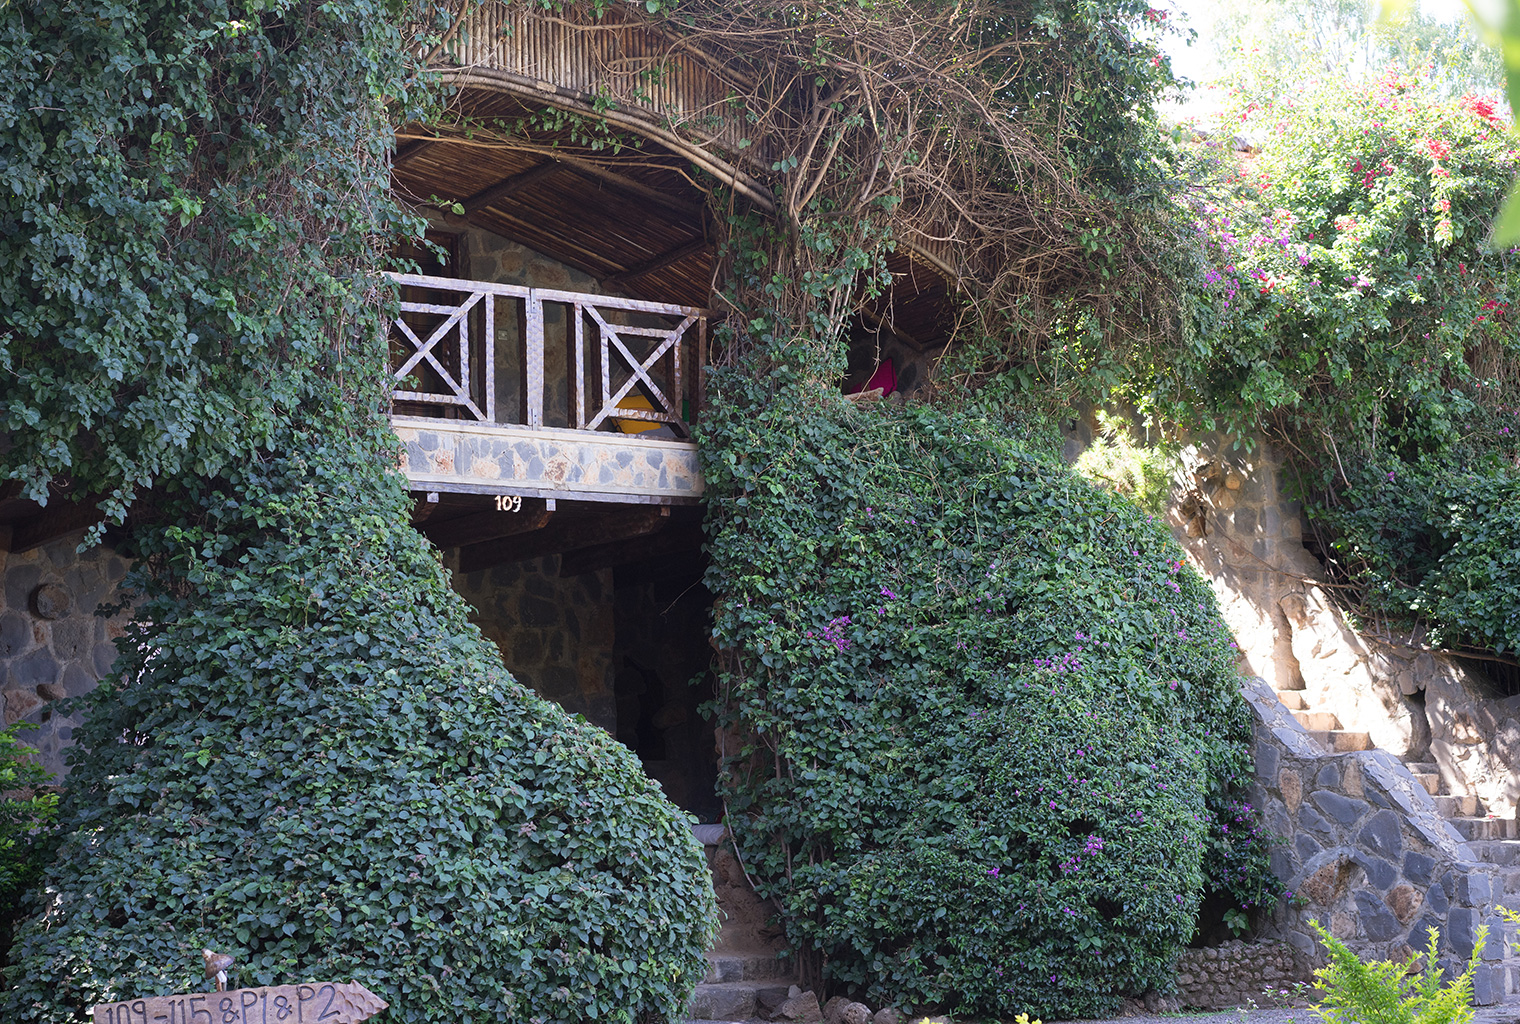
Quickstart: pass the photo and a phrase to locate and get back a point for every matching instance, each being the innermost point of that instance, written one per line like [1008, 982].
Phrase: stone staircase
[1493, 840]
[746, 978]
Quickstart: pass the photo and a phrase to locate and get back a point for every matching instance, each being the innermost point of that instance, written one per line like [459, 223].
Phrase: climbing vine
[304, 756]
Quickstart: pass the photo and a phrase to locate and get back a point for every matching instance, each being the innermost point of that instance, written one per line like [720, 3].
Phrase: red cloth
[885, 378]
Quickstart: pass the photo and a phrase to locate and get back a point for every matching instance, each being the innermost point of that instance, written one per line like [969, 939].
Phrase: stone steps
[1500, 852]
[1340, 741]
[1293, 700]
[1487, 828]
[736, 1000]
[725, 966]
[1318, 721]
[1450, 806]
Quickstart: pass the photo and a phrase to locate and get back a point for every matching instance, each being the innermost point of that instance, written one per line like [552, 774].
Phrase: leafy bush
[987, 723]
[1357, 315]
[1434, 543]
[1388, 992]
[308, 758]
[28, 816]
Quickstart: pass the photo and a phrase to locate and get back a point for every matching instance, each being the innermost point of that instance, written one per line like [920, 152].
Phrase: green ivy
[931, 637]
[307, 757]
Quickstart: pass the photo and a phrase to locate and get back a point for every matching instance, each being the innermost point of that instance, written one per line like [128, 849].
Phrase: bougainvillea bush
[1356, 312]
[307, 757]
[983, 724]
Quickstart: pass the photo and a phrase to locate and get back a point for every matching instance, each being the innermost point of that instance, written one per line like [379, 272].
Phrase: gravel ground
[1507, 1014]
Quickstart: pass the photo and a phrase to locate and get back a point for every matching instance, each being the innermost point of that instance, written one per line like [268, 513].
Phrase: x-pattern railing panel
[615, 349]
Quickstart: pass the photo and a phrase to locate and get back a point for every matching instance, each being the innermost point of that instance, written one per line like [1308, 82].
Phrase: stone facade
[555, 635]
[1239, 973]
[1368, 855]
[52, 642]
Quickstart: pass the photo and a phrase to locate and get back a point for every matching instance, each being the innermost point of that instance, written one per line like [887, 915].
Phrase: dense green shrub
[1435, 543]
[989, 727]
[308, 758]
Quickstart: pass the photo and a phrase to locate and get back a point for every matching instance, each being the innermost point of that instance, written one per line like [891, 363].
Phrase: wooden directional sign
[316, 1002]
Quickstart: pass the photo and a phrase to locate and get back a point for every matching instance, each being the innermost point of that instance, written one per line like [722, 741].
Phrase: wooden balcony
[532, 392]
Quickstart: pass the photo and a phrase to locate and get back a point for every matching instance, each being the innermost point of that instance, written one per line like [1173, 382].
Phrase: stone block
[1267, 759]
[20, 580]
[1437, 898]
[1305, 846]
[15, 634]
[1381, 834]
[1310, 819]
[34, 669]
[1377, 921]
[1493, 948]
[1329, 777]
[1417, 867]
[1473, 889]
[1343, 809]
[1488, 985]
[802, 1009]
[888, 1015]
[1380, 873]
[1461, 925]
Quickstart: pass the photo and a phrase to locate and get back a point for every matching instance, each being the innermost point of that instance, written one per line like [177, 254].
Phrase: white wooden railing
[439, 360]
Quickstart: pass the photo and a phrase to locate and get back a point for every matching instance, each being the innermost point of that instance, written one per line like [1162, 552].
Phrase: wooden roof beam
[507, 186]
[659, 262]
[479, 527]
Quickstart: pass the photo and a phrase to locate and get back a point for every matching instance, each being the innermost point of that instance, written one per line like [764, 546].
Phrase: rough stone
[50, 601]
[1342, 925]
[1381, 835]
[1377, 921]
[19, 704]
[803, 1009]
[1325, 885]
[1437, 898]
[1291, 787]
[1405, 901]
[855, 1013]
[1329, 777]
[833, 1008]
[888, 1015]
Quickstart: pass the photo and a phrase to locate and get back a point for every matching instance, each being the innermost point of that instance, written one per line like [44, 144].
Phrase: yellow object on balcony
[631, 426]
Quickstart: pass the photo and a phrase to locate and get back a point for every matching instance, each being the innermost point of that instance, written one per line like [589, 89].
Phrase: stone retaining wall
[1239, 973]
[1366, 853]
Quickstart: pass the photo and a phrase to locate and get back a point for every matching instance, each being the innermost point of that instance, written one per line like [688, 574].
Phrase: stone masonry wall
[1367, 854]
[52, 644]
[1238, 973]
[555, 635]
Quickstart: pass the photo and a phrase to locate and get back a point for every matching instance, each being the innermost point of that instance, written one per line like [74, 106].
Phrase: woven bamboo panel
[618, 59]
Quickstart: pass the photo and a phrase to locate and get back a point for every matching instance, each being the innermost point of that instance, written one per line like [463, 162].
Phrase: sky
[1193, 61]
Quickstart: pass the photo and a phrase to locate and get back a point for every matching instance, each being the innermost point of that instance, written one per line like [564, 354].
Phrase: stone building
[545, 399]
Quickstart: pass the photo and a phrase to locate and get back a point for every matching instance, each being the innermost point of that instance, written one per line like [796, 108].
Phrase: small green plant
[1237, 921]
[27, 814]
[28, 819]
[1118, 462]
[1390, 992]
